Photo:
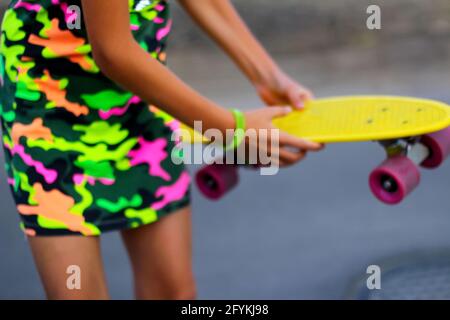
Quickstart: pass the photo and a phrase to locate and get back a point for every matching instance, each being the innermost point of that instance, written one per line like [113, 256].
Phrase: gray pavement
[307, 232]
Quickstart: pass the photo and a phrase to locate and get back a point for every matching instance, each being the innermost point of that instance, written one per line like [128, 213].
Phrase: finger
[276, 112]
[307, 95]
[276, 162]
[268, 162]
[289, 140]
[284, 156]
[289, 157]
[261, 153]
[284, 164]
[296, 98]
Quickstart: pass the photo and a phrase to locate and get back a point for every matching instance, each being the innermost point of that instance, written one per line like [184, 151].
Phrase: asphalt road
[306, 232]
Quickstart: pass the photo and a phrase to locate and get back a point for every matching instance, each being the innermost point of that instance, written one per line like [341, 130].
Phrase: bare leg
[161, 256]
[54, 255]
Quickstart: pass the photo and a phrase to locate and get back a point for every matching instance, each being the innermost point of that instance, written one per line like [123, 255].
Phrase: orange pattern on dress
[63, 43]
[56, 206]
[57, 95]
[34, 131]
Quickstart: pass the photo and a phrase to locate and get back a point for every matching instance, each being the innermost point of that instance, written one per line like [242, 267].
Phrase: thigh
[161, 256]
[55, 258]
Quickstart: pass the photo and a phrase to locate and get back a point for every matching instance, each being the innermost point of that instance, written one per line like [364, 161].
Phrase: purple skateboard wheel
[394, 179]
[439, 145]
[214, 181]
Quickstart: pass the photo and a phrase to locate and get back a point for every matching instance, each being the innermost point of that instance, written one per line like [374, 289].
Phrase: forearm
[121, 58]
[136, 71]
[221, 21]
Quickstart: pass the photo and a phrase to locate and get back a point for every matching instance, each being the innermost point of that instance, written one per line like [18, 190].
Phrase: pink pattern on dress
[172, 193]
[79, 178]
[162, 33]
[118, 111]
[153, 153]
[49, 175]
[27, 6]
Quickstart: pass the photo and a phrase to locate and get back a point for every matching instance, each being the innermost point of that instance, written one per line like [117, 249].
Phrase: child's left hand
[280, 89]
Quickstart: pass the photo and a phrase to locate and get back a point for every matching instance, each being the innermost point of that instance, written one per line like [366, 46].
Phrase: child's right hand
[289, 149]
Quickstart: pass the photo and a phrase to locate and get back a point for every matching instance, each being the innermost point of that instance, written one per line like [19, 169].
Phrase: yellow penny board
[363, 118]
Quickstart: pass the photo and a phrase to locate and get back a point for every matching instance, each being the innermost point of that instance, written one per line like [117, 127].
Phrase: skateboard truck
[412, 148]
[399, 174]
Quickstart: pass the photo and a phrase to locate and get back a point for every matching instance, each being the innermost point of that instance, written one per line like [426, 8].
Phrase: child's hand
[280, 89]
[289, 149]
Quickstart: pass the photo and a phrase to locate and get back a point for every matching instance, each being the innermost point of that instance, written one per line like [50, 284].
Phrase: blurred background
[311, 231]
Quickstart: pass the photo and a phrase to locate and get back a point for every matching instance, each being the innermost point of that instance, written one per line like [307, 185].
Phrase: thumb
[277, 112]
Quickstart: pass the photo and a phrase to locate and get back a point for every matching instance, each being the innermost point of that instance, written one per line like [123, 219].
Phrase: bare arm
[222, 22]
[121, 58]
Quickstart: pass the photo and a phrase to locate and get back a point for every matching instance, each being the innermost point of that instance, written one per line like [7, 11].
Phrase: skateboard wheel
[214, 181]
[394, 179]
[438, 144]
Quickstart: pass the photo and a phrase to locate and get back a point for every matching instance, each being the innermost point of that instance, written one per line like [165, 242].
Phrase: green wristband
[239, 131]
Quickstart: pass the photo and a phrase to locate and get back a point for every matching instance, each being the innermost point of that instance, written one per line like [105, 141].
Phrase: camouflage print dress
[83, 156]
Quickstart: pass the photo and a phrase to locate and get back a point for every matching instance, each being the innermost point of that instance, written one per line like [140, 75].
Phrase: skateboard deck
[358, 118]
[414, 132]
[365, 118]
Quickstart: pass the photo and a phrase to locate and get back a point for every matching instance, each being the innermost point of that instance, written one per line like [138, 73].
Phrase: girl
[88, 152]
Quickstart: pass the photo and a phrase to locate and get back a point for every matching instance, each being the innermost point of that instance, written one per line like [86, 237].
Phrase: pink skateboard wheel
[439, 145]
[214, 181]
[394, 179]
